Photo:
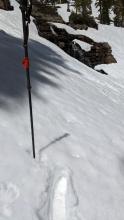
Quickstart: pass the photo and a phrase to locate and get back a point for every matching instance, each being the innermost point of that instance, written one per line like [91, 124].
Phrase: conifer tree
[104, 7]
[83, 6]
[118, 10]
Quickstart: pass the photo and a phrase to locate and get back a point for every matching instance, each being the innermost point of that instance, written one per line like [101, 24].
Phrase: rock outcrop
[100, 53]
[90, 23]
[45, 13]
[45, 16]
[5, 5]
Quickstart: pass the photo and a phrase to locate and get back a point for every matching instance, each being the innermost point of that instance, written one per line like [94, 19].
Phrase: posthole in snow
[59, 200]
[64, 198]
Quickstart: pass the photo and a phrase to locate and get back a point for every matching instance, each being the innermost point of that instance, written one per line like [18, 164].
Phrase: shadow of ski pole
[54, 142]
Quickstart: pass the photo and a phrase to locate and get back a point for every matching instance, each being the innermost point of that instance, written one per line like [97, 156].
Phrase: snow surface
[69, 29]
[79, 130]
[62, 11]
[84, 46]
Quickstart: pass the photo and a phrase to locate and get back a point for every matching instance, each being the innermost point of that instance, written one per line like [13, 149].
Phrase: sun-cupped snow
[78, 121]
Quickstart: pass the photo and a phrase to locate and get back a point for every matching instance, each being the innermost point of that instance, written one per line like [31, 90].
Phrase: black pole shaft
[30, 108]
[25, 34]
[30, 102]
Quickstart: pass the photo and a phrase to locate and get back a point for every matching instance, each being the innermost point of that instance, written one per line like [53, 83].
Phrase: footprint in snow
[59, 201]
[64, 201]
[8, 194]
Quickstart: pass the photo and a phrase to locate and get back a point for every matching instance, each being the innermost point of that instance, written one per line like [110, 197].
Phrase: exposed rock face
[46, 13]
[100, 53]
[78, 21]
[5, 4]
[78, 26]
[91, 24]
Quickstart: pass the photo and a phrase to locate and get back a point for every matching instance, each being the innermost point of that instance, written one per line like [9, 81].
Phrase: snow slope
[79, 122]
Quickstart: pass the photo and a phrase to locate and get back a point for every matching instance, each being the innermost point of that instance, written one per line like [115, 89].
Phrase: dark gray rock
[45, 13]
[78, 26]
[100, 53]
[5, 5]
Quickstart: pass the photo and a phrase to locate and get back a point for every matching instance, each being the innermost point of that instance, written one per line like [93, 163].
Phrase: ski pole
[26, 7]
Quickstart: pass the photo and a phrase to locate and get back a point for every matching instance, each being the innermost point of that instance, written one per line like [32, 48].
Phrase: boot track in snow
[61, 199]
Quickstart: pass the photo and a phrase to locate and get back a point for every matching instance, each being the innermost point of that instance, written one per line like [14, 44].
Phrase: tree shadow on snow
[45, 69]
